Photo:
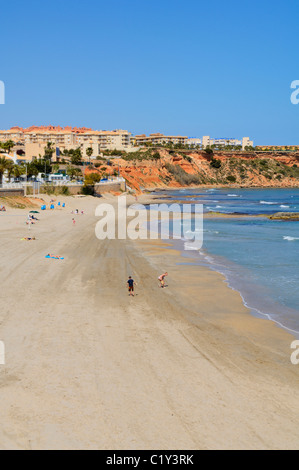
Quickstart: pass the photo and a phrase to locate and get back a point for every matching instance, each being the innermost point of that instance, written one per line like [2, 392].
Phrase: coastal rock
[292, 216]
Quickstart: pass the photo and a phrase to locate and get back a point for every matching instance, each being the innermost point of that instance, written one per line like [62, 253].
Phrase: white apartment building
[207, 141]
[104, 140]
[160, 139]
[194, 141]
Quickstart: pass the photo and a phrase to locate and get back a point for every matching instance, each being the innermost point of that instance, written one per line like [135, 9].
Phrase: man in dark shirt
[131, 284]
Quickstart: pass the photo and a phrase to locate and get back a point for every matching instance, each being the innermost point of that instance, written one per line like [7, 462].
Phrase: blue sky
[189, 67]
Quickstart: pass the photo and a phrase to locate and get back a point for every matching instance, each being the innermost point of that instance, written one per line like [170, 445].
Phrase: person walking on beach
[74, 222]
[161, 279]
[131, 283]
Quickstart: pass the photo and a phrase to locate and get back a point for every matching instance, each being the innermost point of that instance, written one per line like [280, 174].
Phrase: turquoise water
[259, 257]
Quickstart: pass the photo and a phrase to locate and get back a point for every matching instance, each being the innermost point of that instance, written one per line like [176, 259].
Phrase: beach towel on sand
[54, 257]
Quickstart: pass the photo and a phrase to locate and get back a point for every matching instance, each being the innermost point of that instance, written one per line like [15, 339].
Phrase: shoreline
[208, 186]
[249, 302]
[253, 311]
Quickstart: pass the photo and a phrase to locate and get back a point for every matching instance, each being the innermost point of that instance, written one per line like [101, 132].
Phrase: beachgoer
[53, 256]
[131, 283]
[161, 279]
[74, 222]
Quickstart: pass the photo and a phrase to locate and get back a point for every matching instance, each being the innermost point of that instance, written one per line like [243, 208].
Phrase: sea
[259, 257]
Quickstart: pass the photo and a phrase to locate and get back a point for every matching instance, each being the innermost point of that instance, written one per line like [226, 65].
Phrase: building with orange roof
[35, 138]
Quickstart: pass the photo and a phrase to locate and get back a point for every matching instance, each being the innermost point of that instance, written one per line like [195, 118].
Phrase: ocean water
[258, 256]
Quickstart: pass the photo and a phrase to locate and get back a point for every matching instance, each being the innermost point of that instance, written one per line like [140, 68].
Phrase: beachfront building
[246, 142]
[15, 134]
[104, 140]
[208, 141]
[194, 142]
[159, 139]
[35, 138]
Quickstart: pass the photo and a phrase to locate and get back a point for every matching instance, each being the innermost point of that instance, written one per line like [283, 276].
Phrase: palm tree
[18, 171]
[8, 145]
[89, 152]
[55, 168]
[49, 150]
[73, 172]
[4, 165]
[10, 168]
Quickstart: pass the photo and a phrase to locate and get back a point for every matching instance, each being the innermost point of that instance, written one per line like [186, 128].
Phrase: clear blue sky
[189, 67]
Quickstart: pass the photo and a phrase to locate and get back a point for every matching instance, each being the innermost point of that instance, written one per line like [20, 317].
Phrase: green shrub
[231, 179]
[92, 178]
[215, 163]
[139, 156]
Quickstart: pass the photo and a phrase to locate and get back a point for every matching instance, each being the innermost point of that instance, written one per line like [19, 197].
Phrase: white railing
[11, 186]
[117, 179]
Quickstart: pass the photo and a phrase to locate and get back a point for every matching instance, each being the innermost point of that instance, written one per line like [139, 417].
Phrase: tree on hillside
[209, 151]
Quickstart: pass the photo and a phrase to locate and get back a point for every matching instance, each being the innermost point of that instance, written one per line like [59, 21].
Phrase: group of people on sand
[131, 283]
[2, 208]
[31, 219]
[77, 212]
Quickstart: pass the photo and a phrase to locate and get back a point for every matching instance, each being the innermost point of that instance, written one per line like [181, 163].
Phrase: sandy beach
[88, 367]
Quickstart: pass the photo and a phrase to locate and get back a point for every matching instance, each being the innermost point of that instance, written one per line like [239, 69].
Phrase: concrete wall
[104, 188]
[75, 189]
[11, 192]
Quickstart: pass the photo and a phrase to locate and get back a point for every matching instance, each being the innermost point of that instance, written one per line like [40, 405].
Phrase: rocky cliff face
[175, 169]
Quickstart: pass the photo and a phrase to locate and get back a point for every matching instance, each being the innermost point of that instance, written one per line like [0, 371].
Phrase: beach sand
[88, 367]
